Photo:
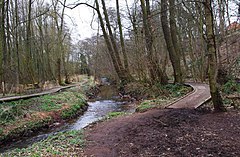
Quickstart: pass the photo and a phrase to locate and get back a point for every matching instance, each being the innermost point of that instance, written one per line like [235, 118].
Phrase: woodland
[167, 40]
[150, 43]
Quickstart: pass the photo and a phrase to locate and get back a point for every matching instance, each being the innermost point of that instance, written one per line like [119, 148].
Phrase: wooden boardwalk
[200, 95]
[50, 91]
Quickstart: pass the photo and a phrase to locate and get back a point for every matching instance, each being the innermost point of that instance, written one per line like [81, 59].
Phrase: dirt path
[200, 94]
[167, 133]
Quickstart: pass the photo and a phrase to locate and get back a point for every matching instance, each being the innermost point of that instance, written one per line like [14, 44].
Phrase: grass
[68, 143]
[12, 111]
[111, 115]
[163, 95]
[19, 117]
[154, 103]
[70, 112]
[174, 90]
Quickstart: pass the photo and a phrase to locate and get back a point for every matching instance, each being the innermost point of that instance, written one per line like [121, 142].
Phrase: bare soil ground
[168, 132]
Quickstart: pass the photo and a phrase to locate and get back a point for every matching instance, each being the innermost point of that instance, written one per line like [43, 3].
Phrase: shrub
[231, 86]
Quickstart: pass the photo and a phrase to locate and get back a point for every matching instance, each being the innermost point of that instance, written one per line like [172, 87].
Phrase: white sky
[82, 18]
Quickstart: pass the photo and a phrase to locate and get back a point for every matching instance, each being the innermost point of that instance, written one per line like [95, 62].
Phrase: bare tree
[212, 58]
[156, 73]
[170, 36]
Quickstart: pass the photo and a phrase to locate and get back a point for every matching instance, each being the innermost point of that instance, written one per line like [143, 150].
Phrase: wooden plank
[54, 90]
[200, 95]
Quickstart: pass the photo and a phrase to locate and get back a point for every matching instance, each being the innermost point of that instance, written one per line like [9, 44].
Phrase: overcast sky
[82, 17]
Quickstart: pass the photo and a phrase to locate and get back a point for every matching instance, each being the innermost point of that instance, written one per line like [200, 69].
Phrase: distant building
[233, 26]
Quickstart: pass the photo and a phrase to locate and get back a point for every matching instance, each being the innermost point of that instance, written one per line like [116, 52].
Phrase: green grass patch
[68, 113]
[68, 143]
[115, 114]
[161, 95]
[173, 90]
[144, 106]
[154, 103]
[12, 111]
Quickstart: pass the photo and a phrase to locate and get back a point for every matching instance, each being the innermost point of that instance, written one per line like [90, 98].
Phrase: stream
[106, 102]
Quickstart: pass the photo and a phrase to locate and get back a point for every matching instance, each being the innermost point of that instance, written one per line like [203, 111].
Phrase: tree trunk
[123, 75]
[176, 46]
[156, 73]
[59, 71]
[17, 46]
[169, 42]
[212, 58]
[125, 59]
[29, 59]
[3, 44]
[107, 40]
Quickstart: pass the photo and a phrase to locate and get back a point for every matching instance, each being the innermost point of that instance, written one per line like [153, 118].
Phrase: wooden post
[3, 88]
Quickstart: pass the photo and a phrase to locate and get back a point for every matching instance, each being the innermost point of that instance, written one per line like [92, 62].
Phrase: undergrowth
[13, 111]
[111, 115]
[143, 91]
[231, 87]
[67, 143]
[17, 118]
[230, 91]
[161, 95]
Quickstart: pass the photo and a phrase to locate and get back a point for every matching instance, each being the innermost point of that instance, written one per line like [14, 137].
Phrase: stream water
[107, 101]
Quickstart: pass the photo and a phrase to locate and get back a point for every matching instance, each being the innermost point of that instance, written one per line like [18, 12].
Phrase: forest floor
[150, 132]
[168, 132]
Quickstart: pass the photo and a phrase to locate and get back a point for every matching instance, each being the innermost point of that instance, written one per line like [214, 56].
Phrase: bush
[173, 90]
[230, 87]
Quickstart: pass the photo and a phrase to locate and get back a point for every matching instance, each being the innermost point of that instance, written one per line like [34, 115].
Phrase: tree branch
[76, 5]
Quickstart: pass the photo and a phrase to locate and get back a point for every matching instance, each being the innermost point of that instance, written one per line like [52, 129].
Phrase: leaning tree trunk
[125, 58]
[212, 58]
[175, 59]
[123, 75]
[156, 73]
[176, 46]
